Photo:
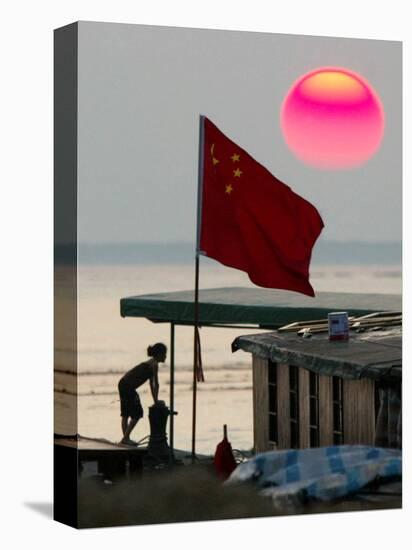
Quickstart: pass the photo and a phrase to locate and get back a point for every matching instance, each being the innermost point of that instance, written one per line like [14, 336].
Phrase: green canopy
[256, 306]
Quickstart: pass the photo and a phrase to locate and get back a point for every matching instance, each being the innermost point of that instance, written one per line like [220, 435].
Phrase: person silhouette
[131, 409]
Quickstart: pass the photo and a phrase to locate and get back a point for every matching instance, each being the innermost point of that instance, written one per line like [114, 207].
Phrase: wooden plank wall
[283, 406]
[260, 405]
[304, 412]
[358, 409]
[358, 412]
[325, 411]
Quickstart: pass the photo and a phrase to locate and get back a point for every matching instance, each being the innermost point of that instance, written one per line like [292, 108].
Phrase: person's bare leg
[124, 424]
[130, 427]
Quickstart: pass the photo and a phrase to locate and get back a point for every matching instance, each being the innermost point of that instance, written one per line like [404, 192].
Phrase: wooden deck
[116, 460]
[113, 460]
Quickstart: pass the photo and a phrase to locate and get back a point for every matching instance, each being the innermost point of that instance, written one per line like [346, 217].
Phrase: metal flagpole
[195, 357]
[196, 303]
[172, 390]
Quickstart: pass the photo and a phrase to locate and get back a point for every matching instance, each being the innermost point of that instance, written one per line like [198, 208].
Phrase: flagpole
[195, 356]
[196, 303]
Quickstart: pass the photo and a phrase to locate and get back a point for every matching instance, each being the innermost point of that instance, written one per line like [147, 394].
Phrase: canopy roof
[257, 306]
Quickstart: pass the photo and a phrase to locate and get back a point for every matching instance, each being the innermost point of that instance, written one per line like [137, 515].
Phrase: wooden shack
[310, 392]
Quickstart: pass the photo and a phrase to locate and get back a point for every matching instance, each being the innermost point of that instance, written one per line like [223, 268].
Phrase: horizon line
[192, 243]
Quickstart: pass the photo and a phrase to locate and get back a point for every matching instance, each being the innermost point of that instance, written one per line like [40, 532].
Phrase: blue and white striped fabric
[323, 473]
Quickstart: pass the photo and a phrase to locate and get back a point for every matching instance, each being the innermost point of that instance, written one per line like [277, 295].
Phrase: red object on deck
[224, 460]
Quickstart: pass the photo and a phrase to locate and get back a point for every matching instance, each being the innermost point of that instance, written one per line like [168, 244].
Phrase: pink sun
[332, 119]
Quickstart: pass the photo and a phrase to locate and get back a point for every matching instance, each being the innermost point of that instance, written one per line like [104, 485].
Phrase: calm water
[109, 345]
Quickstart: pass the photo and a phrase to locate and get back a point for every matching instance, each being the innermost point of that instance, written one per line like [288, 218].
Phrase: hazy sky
[141, 90]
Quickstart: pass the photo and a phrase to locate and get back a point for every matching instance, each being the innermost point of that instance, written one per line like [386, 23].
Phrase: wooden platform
[84, 445]
[113, 460]
[116, 460]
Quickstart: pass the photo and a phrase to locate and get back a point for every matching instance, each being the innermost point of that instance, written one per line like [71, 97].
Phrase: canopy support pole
[172, 389]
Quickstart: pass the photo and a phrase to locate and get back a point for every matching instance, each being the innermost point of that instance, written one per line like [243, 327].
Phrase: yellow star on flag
[235, 157]
[212, 150]
[237, 173]
[229, 189]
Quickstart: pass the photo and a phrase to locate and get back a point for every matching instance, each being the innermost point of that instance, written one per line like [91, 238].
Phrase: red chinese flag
[250, 220]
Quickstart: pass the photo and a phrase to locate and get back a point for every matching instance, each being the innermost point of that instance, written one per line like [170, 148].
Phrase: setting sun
[332, 118]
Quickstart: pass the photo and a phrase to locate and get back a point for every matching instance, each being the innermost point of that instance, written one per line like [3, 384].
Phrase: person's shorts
[130, 405]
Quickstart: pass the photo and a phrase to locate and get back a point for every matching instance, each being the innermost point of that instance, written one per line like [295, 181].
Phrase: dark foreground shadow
[43, 508]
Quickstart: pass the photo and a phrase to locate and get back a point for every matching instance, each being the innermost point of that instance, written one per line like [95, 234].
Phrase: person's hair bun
[156, 350]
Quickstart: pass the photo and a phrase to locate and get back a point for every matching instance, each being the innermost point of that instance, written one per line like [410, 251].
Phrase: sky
[141, 90]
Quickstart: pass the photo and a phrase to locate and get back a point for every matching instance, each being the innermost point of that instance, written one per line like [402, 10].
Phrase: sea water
[109, 345]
